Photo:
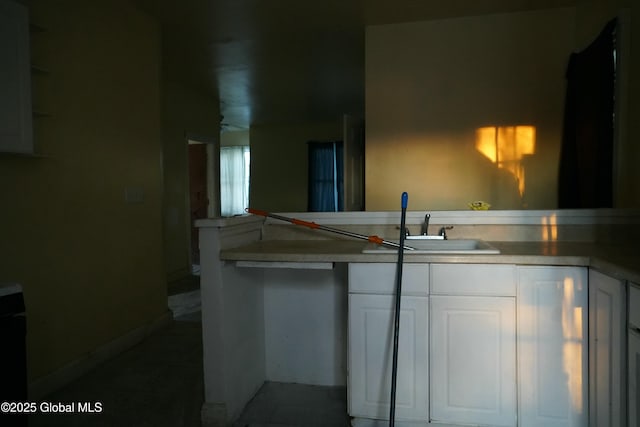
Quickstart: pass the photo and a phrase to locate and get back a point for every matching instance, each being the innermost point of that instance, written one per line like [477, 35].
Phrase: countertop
[619, 261]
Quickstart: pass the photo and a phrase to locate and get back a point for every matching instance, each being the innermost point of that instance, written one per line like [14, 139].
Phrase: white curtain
[234, 180]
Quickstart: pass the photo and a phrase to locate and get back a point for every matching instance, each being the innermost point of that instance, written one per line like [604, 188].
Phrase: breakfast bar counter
[619, 261]
[279, 302]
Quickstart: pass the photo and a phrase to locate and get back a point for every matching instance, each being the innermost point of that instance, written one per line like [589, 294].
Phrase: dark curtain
[585, 177]
[325, 177]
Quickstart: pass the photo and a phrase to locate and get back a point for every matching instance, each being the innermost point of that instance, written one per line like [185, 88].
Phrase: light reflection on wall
[506, 146]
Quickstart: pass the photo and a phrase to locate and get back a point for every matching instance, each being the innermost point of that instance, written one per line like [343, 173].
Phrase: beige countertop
[621, 262]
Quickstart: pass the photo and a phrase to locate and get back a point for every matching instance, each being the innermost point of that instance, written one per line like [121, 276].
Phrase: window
[234, 179]
[325, 176]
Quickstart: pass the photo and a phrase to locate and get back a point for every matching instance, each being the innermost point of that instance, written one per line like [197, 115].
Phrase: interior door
[198, 199]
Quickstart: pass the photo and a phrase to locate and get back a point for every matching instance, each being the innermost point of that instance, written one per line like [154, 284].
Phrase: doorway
[203, 170]
[200, 201]
[198, 197]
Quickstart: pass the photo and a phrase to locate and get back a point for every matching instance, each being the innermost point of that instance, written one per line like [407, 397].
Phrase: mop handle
[313, 225]
[396, 328]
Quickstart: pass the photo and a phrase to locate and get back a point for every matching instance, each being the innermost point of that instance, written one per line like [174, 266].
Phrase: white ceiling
[291, 61]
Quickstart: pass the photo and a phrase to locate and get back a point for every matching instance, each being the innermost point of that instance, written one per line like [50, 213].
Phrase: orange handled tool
[313, 225]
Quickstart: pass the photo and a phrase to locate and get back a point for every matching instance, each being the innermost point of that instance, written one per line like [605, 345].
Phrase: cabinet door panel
[473, 360]
[16, 133]
[552, 346]
[634, 302]
[606, 328]
[488, 279]
[634, 379]
[380, 278]
[633, 336]
[371, 319]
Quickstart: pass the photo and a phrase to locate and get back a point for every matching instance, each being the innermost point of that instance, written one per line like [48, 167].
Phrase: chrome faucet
[424, 231]
[443, 231]
[425, 225]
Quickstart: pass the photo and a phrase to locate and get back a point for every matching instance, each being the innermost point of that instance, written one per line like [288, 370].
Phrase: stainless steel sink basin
[432, 246]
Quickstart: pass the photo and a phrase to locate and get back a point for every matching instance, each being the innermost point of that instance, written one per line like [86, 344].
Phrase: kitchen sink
[436, 246]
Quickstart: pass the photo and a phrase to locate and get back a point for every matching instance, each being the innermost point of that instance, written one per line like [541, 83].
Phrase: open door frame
[199, 203]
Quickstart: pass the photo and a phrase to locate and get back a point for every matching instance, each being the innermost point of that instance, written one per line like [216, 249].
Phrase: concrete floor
[281, 404]
[159, 383]
[156, 383]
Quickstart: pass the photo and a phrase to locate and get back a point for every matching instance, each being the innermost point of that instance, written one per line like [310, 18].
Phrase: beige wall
[430, 85]
[90, 263]
[187, 112]
[279, 163]
[238, 137]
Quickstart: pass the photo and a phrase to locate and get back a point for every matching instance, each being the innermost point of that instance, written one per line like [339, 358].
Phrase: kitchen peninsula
[283, 303]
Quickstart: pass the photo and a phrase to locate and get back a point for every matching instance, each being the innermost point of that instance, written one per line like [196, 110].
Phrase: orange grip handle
[257, 212]
[375, 239]
[304, 223]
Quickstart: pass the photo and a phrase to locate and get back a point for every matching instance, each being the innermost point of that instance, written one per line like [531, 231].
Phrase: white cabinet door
[380, 278]
[16, 134]
[371, 319]
[634, 379]
[552, 346]
[606, 328]
[473, 360]
[634, 355]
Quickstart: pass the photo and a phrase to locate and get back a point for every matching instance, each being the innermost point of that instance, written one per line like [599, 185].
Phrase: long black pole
[396, 329]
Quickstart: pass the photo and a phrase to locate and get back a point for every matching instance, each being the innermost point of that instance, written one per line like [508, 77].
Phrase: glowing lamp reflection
[506, 146]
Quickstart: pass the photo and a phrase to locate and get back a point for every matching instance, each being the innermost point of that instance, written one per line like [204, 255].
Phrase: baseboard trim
[47, 384]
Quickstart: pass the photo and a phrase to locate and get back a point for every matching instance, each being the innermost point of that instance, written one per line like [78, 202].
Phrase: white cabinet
[371, 322]
[380, 278]
[634, 355]
[473, 344]
[606, 329]
[495, 345]
[552, 346]
[473, 360]
[16, 134]
[634, 378]
[473, 279]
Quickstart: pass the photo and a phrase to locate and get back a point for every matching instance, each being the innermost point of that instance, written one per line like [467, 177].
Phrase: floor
[280, 404]
[159, 383]
[156, 383]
